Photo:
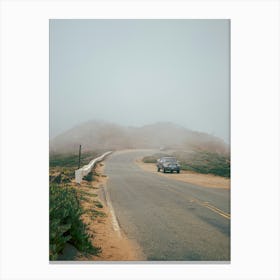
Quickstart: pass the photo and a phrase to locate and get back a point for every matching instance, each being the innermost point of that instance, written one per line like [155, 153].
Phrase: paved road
[170, 220]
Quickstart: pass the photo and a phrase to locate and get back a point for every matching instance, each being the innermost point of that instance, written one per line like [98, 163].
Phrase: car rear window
[170, 159]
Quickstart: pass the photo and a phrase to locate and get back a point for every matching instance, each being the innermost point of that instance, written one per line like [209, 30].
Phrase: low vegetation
[208, 163]
[65, 207]
[71, 160]
[153, 158]
[89, 177]
[63, 166]
[199, 161]
[66, 225]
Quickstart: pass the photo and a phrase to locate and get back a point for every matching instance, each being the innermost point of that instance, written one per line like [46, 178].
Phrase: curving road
[170, 220]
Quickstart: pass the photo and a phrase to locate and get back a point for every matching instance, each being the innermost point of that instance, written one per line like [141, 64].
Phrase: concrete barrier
[83, 171]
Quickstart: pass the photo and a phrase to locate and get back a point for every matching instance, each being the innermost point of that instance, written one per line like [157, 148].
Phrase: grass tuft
[89, 177]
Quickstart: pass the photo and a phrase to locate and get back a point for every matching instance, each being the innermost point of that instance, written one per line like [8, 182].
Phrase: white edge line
[115, 223]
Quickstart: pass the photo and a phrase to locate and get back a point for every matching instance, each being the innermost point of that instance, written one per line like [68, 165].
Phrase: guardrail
[83, 171]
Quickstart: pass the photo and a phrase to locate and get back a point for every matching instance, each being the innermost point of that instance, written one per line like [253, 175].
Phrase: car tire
[178, 171]
[164, 171]
[158, 170]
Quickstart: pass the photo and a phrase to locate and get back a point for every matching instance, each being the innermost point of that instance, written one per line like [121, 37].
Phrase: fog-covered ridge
[98, 135]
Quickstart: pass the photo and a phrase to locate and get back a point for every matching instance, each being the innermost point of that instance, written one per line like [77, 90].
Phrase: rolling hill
[98, 135]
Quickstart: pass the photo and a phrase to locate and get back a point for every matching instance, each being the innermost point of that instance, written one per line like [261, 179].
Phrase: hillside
[97, 135]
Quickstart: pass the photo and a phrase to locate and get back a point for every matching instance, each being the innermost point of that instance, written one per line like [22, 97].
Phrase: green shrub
[207, 163]
[98, 204]
[89, 177]
[65, 222]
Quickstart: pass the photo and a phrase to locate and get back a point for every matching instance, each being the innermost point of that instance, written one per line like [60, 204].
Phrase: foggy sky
[137, 72]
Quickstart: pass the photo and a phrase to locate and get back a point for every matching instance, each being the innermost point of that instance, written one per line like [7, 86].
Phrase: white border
[254, 137]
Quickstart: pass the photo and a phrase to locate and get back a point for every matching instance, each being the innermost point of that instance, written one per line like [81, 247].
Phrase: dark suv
[168, 164]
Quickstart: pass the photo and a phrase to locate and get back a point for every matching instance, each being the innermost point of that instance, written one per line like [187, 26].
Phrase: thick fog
[138, 72]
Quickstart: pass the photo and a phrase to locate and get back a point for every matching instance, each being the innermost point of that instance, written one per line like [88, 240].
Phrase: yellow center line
[213, 208]
[206, 205]
[221, 213]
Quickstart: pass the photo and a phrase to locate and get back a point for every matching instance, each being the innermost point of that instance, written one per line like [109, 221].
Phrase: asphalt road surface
[170, 220]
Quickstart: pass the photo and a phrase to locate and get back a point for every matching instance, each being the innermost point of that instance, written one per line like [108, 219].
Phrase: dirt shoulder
[115, 246]
[204, 180]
